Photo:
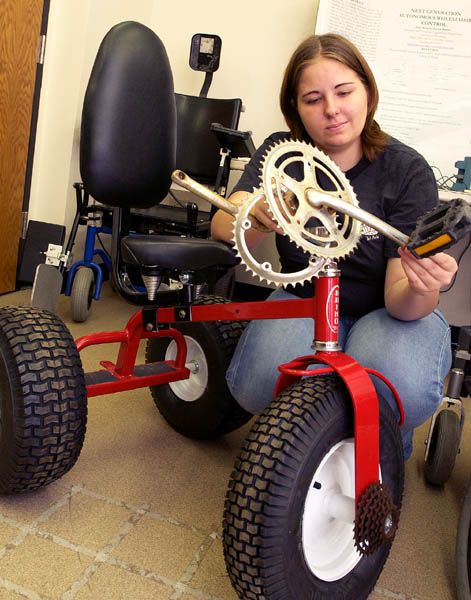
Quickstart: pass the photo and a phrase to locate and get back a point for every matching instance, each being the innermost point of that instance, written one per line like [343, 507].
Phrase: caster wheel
[444, 445]
[288, 529]
[43, 401]
[201, 406]
[81, 295]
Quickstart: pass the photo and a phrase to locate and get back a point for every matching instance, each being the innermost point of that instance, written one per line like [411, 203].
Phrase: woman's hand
[412, 286]
[222, 224]
[427, 275]
[262, 218]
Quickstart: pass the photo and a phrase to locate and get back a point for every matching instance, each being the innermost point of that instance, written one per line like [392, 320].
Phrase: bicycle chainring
[289, 170]
[265, 271]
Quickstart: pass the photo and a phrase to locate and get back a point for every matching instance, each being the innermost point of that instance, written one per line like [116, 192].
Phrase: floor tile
[112, 583]
[10, 595]
[43, 566]
[7, 534]
[87, 521]
[27, 507]
[160, 547]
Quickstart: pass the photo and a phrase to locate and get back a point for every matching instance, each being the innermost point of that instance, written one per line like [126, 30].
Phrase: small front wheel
[81, 295]
[43, 402]
[289, 512]
[443, 449]
[201, 406]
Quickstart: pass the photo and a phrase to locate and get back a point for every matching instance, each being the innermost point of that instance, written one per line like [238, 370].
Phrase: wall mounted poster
[420, 53]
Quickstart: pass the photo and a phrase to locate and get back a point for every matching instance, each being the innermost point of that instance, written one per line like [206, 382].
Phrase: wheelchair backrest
[197, 146]
[128, 130]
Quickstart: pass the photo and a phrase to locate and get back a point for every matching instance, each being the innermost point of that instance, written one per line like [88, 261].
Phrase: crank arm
[435, 231]
[186, 182]
[318, 199]
[202, 191]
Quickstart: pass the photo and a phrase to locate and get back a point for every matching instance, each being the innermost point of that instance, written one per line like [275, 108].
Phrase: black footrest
[104, 376]
[152, 369]
[99, 377]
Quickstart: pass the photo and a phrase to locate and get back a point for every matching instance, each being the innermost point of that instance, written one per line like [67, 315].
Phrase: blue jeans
[414, 355]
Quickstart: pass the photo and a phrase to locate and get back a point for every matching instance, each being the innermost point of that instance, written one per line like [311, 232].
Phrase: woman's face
[332, 103]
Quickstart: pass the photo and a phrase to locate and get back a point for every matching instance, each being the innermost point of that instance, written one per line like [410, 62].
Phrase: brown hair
[331, 45]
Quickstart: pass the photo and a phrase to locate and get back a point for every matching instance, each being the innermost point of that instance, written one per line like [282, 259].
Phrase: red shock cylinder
[328, 316]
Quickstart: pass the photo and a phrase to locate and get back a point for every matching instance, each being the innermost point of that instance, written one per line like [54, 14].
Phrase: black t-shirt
[398, 187]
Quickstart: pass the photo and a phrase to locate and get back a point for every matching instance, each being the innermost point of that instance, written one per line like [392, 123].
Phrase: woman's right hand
[262, 221]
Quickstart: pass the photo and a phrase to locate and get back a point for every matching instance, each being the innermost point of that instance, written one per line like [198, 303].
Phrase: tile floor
[138, 517]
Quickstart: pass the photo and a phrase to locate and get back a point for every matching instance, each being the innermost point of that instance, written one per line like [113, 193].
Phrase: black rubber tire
[444, 445]
[268, 487]
[215, 412]
[81, 296]
[463, 549]
[43, 402]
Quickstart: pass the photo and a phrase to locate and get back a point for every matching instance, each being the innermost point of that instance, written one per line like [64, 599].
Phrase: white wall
[58, 110]
[258, 36]
[75, 30]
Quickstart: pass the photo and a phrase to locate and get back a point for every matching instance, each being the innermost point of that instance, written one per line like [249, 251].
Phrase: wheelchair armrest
[239, 143]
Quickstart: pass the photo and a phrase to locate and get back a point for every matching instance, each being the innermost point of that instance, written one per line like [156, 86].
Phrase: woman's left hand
[427, 275]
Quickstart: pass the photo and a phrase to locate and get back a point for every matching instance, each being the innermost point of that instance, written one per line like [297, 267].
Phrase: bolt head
[388, 523]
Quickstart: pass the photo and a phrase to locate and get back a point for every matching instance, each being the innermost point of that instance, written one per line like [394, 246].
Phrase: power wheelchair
[314, 498]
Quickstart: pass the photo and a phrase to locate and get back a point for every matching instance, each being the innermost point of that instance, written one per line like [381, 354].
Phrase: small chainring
[265, 270]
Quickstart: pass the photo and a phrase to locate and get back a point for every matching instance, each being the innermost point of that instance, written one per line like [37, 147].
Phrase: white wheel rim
[192, 388]
[327, 542]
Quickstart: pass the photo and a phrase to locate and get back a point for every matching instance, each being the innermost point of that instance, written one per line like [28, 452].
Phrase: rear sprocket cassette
[376, 519]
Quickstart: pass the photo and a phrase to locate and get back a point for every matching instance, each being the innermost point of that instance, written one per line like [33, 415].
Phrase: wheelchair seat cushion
[176, 253]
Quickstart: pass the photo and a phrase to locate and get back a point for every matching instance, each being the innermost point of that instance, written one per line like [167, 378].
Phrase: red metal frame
[323, 308]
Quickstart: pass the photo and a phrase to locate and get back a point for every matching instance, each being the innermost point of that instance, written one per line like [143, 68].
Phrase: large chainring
[289, 170]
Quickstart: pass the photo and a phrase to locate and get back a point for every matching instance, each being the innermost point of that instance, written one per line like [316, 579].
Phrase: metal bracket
[149, 319]
[55, 256]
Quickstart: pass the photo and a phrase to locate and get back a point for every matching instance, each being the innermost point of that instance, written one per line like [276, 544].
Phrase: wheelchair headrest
[128, 130]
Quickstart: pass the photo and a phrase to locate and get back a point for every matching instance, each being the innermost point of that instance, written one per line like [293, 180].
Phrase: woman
[389, 321]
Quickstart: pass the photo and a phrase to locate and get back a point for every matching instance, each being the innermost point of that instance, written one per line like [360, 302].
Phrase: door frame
[32, 135]
[35, 110]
